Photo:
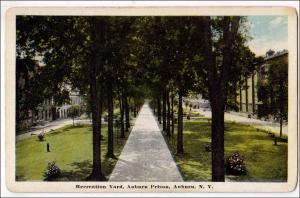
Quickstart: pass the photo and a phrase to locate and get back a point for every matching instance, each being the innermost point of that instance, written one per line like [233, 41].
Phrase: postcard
[151, 99]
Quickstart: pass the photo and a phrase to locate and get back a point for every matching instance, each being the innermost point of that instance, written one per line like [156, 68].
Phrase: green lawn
[71, 148]
[263, 160]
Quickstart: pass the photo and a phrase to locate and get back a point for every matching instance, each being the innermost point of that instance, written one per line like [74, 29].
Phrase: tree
[166, 57]
[70, 48]
[74, 111]
[110, 104]
[120, 66]
[243, 62]
[28, 94]
[180, 57]
[110, 58]
[96, 90]
[218, 60]
[114, 44]
[273, 90]
[35, 83]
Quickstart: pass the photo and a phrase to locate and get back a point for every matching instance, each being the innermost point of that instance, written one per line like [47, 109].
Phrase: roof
[277, 54]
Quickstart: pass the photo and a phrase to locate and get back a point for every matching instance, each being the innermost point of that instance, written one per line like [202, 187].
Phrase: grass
[71, 148]
[263, 160]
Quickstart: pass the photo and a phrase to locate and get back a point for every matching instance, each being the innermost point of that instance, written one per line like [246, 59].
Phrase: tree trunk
[272, 102]
[281, 103]
[246, 90]
[159, 110]
[241, 97]
[218, 85]
[217, 127]
[180, 126]
[53, 109]
[95, 99]
[18, 99]
[122, 117]
[136, 111]
[168, 114]
[110, 133]
[253, 94]
[133, 108]
[280, 126]
[164, 111]
[214, 84]
[236, 108]
[172, 112]
[127, 116]
[96, 174]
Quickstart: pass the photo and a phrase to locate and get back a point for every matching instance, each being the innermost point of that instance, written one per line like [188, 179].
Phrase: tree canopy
[125, 59]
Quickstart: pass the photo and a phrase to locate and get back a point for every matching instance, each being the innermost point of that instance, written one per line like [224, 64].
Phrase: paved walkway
[50, 127]
[260, 124]
[145, 156]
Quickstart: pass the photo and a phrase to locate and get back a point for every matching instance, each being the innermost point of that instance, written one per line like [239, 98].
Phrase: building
[247, 93]
[48, 111]
[196, 102]
[31, 109]
[75, 99]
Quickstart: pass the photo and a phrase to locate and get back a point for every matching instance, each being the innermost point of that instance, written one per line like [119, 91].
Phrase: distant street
[49, 127]
[260, 124]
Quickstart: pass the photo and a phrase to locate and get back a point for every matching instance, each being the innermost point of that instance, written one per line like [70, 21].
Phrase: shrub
[272, 135]
[41, 136]
[208, 147]
[52, 171]
[235, 164]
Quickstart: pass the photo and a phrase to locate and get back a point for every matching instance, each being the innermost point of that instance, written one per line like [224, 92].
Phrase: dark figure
[48, 147]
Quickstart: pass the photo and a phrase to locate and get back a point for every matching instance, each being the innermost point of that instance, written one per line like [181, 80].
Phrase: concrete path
[50, 127]
[146, 156]
[260, 124]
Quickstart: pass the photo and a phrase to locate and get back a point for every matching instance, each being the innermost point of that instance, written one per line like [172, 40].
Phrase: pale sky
[268, 32]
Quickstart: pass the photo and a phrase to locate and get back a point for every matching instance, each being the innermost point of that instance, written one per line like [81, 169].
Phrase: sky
[268, 32]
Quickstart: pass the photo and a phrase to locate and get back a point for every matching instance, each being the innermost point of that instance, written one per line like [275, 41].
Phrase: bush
[235, 164]
[208, 147]
[52, 171]
[41, 136]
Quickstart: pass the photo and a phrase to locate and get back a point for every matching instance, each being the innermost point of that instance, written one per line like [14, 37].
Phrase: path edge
[164, 137]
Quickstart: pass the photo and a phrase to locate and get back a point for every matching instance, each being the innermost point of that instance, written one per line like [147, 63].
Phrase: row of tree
[204, 55]
[126, 59]
[87, 53]
[273, 90]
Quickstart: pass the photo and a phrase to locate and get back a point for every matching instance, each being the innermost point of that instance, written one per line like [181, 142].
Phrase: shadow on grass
[37, 140]
[257, 148]
[81, 170]
[108, 164]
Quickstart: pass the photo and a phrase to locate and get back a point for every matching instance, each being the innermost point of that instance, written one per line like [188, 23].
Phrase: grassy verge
[70, 147]
[263, 160]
